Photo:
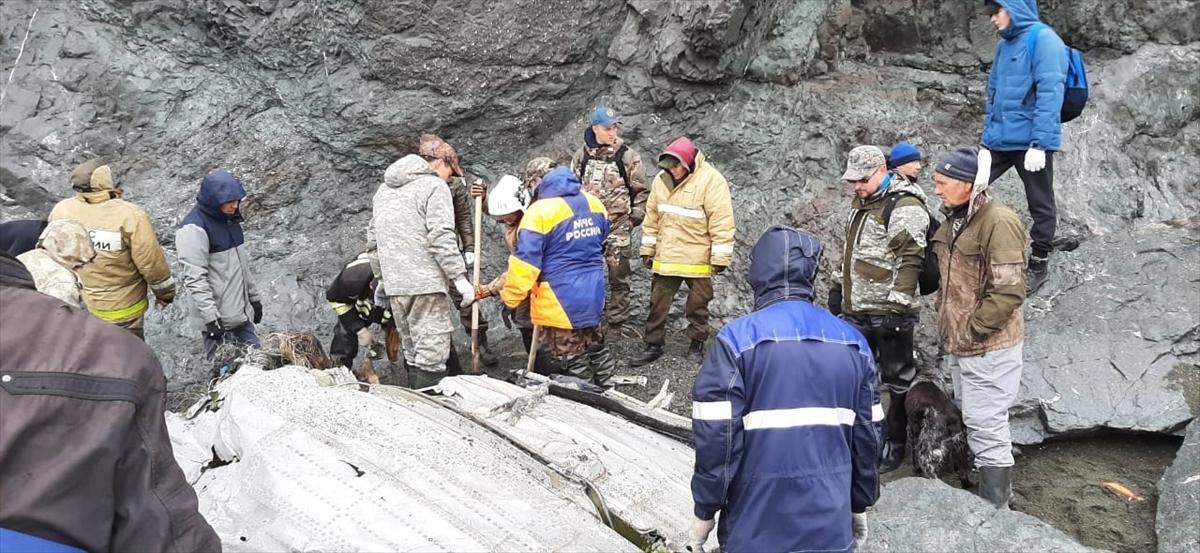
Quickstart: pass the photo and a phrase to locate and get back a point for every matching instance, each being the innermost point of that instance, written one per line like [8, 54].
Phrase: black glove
[506, 316]
[213, 330]
[376, 316]
[718, 269]
[835, 300]
[257, 307]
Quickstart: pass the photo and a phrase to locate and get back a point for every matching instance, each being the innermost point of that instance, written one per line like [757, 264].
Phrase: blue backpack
[1075, 96]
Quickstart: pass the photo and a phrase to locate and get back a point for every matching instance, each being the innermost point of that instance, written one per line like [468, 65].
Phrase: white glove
[984, 172]
[364, 337]
[470, 257]
[860, 528]
[464, 288]
[698, 533]
[381, 296]
[1035, 160]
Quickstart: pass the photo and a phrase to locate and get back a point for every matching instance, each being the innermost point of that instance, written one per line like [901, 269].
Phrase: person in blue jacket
[783, 415]
[1022, 127]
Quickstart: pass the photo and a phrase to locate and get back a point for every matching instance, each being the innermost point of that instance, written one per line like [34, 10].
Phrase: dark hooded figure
[18, 237]
[782, 413]
[224, 304]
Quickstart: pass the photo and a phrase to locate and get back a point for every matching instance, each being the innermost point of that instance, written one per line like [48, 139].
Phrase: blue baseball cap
[605, 116]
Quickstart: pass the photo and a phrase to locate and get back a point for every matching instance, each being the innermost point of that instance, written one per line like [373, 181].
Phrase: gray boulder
[920, 514]
[1113, 341]
[1179, 499]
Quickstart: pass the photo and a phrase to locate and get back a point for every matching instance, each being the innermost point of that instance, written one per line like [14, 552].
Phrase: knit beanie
[903, 153]
[960, 164]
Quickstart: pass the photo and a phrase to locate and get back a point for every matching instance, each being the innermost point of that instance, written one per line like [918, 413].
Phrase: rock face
[919, 514]
[309, 101]
[1113, 340]
[1179, 498]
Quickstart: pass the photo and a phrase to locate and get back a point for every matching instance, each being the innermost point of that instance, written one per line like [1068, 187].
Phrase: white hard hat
[507, 197]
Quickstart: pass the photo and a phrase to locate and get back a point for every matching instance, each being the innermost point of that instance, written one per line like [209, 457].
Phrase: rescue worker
[464, 227]
[352, 297]
[782, 414]
[875, 287]
[559, 265]
[20, 236]
[687, 237]
[1022, 124]
[413, 226]
[981, 251]
[63, 249]
[85, 459]
[214, 265]
[507, 203]
[612, 171]
[128, 256]
[905, 159]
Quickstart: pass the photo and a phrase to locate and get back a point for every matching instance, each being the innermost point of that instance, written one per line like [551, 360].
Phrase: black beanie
[961, 164]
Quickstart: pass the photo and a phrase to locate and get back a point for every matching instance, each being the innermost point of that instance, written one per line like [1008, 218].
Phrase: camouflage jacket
[413, 225]
[881, 261]
[982, 261]
[602, 179]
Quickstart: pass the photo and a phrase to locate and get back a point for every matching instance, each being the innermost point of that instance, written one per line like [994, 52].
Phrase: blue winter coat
[783, 412]
[1019, 115]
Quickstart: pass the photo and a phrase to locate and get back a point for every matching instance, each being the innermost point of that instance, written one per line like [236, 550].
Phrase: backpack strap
[618, 158]
[583, 163]
[889, 205]
[1031, 37]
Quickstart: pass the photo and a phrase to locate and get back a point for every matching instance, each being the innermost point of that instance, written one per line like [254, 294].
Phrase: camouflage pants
[425, 330]
[579, 352]
[616, 259]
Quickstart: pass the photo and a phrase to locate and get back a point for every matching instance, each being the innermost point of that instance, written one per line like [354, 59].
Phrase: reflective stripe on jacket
[559, 259]
[690, 228]
[783, 415]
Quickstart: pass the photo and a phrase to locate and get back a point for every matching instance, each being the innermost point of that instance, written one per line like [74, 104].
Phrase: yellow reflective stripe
[340, 308]
[682, 269]
[121, 314]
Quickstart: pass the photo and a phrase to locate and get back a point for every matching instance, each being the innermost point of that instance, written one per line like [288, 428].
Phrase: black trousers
[891, 340]
[1039, 194]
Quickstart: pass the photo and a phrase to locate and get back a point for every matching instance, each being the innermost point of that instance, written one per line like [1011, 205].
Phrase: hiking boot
[648, 355]
[486, 357]
[995, 485]
[1039, 270]
[695, 352]
[892, 457]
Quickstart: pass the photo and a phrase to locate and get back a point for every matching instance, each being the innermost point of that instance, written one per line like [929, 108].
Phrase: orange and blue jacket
[559, 259]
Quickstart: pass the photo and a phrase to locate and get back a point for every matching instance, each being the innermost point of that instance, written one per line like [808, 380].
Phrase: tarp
[316, 468]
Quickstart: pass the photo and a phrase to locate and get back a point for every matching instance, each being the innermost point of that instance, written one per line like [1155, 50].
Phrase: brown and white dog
[936, 434]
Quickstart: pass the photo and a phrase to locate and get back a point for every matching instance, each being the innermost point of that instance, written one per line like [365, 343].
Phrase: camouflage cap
[433, 147]
[863, 161]
[538, 167]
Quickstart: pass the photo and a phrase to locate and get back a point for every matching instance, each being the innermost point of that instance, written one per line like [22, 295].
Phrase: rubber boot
[695, 354]
[576, 366]
[995, 485]
[453, 365]
[486, 357]
[648, 355]
[892, 457]
[1039, 270]
[603, 366]
[418, 378]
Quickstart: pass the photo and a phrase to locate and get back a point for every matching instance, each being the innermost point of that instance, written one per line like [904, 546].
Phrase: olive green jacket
[982, 261]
